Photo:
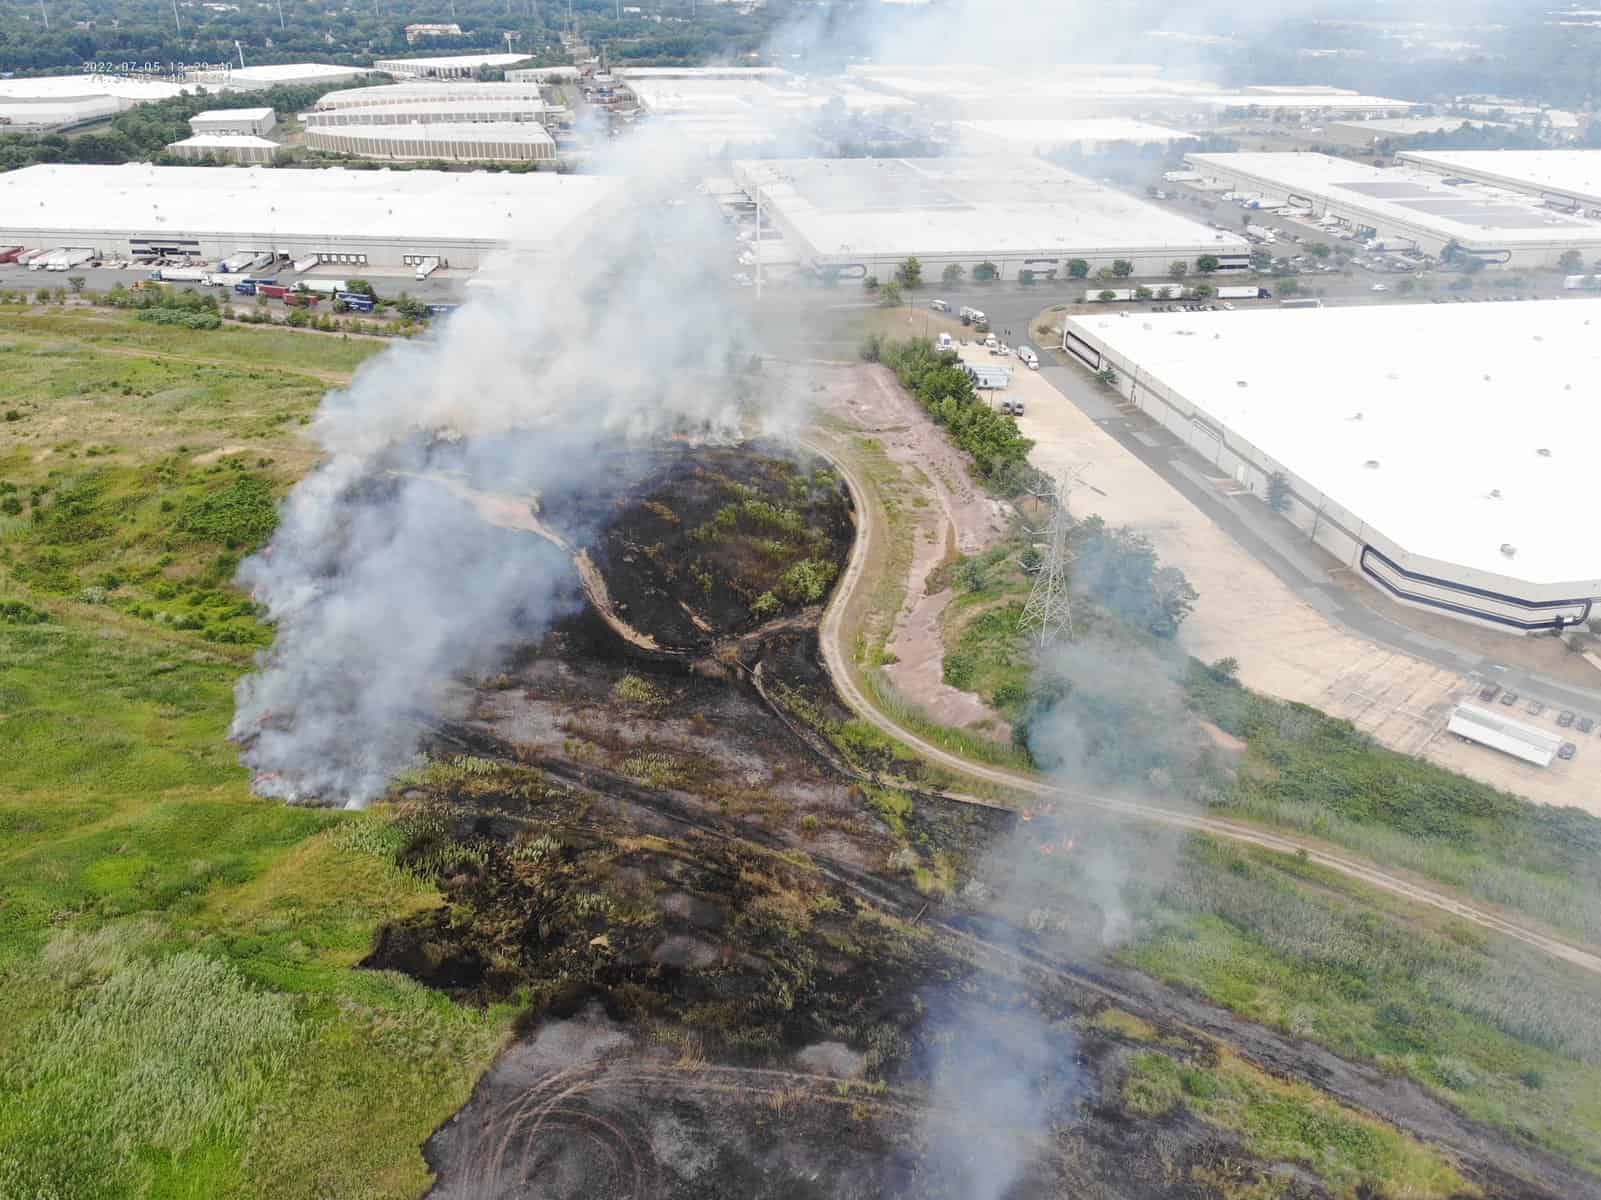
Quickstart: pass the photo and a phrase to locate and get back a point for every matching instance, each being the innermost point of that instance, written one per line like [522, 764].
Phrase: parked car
[1584, 725]
[1567, 751]
[1509, 698]
[1565, 718]
[1536, 707]
[1489, 692]
[939, 306]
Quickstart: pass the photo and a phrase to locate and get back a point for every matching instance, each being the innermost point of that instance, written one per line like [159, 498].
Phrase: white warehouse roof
[449, 62]
[1401, 198]
[217, 115]
[420, 92]
[1571, 173]
[251, 78]
[1046, 134]
[333, 204]
[984, 207]
[129, 89]
[1452, 430]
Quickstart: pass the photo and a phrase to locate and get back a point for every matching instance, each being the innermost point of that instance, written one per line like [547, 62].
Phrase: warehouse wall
[1451, 589]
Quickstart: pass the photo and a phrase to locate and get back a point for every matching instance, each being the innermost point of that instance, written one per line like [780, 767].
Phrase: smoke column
[385, 585]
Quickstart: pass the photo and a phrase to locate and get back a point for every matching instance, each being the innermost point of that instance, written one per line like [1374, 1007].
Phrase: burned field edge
[151, 850]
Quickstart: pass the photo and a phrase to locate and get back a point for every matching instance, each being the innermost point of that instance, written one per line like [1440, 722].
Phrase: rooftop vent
[1508, 549]
[1543, 452]
[1495, 494]
[1372, 464]
[1241, 383]
[1356, 416]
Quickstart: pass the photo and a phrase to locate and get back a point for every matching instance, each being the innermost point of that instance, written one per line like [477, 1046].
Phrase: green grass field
[175, 954]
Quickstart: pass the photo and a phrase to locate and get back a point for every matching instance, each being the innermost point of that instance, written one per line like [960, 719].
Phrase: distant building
[476, 141]
[355, 218]
[226, 147]
[1440, 452]
[247, 79]
[415, 33]
[456, 66]
[254, 122]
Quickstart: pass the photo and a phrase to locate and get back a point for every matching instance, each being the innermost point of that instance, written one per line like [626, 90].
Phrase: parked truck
[1244, 293]
[1572, 283]
[9, 253]
[972, 316]
[302, 300]
[301, 266]
[273, 291]
[179, 275]
[426, 268]
[327, 287]
[42, 260]
[65, 260]
[356, 301]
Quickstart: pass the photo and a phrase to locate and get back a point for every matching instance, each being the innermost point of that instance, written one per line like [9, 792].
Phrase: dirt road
[871, 528]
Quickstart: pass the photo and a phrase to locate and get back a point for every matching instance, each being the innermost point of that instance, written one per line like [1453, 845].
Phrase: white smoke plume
[383, 580]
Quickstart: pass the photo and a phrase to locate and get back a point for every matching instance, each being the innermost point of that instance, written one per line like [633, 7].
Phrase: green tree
[76, 283]
[1261, 260]
[411, 308]
[1107, 376]
[1289, 287]
[1319, 250]
[1105, 275]
[1164, 293]
[1142, 293]
[1177, 269]
[1204, 291]
[1078, 268]
[870, 283]
[1206, 264]
[985, 272]
[953, 274]
[1571, 262]
[1122, 268]
[890, 297]
[360, 287]
[910, 273]
[1107, 294]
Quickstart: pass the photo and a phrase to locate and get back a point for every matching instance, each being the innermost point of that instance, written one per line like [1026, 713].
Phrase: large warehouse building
[252, 121]
[444, 141]
[434, 97]
[864, 216]
[377, 218]
[1043, 136]
[53, 103]
[455, 66]
[1438, 451]
[1565, 179]
[226, 147]
[254, 79]
[429, 112]
[1405, 204]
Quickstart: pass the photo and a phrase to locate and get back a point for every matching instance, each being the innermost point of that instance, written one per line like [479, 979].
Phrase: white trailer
[65, 260]
[181, 275]
[236, 263]
[988, 378]
[43, 259]
[1474, 724]
[426, 268]
[326, 286]
[1582, 283]
[1243, 293]
[305, 264]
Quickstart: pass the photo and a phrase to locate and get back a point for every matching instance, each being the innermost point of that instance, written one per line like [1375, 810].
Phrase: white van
[1030, 359]
[946, 342]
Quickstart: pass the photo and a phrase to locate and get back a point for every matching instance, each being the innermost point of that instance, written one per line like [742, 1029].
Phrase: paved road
[871, 529]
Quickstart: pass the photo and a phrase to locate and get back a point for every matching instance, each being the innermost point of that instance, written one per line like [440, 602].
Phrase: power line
[1049, 609]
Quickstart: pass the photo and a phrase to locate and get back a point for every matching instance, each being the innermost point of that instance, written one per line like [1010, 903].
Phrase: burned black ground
[735, 973]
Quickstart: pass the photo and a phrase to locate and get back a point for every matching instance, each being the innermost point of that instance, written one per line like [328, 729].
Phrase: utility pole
[46, 13]
[241, 50]
[758, 243]
[1049, 609]
[175, 22]
[281, 24]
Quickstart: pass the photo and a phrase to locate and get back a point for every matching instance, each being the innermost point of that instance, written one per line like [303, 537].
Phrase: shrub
[807, 581]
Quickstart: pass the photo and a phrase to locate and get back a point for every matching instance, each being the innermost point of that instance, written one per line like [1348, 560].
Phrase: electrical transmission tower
[1049, 611]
